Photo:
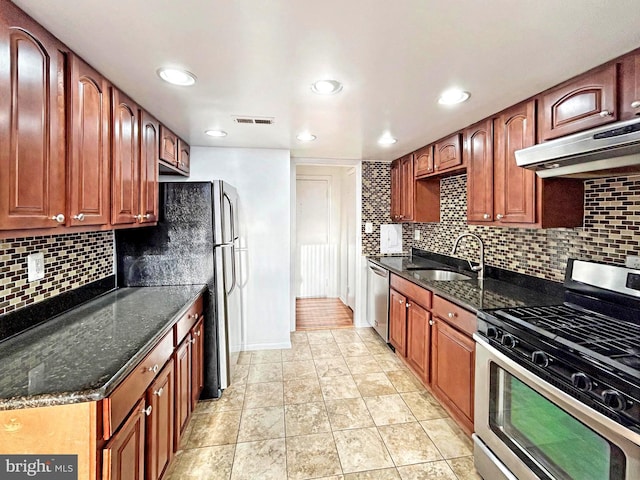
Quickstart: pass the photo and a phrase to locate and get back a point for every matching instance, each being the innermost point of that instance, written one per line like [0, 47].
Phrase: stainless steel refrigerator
[197, 241]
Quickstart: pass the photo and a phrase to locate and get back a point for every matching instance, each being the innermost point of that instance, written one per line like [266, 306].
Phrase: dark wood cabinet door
[160, 423]
[514, 187]
[123, 456]
[630, 95]
[478, 149]
[419, 340]
[453, 368]
[149, 134]
[32, 129]
[197, 362]
[398, 321]
[406, 186]
[423, 161]
[583, 102]
[89, 172]
[125, 159]
[182, 360]
[396, 191]
[184, 153]
[168, 146]
[447, 153]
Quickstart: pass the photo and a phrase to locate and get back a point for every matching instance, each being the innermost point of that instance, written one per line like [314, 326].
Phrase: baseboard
[267, 346]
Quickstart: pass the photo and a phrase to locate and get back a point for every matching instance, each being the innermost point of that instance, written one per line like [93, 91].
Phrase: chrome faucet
[478, 268]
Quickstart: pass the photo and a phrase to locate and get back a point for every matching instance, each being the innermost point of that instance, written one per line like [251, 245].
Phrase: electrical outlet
[416, 234]
[368, 227]
[35, 266]
[633, 261]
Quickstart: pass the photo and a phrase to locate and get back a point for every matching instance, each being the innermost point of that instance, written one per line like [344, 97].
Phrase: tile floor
[337, 405]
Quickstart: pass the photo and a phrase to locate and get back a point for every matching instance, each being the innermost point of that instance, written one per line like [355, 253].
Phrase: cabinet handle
[153, 369]
[79, 217]
[451, 315]
[58, 218]
[147, 411]
[198, 333]
[486, 216]
[192, 341]
[499, 216]
[408, 305]
[147, 216]
[137, 217]
[431, 322]
[635, 104]
[400, 301]
[159, 392]
[606, 113]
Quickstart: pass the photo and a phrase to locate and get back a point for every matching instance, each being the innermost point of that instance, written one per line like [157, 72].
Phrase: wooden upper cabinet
[584, 102]
[32, 129]
[396, 189]
[184, 153]
[448, 153]
[478, 150]
[630, 95]
[89, 162]
[168, 146]
[149, 135]
[423, 161]
[515, 187]
[125, 159]
[406, 188]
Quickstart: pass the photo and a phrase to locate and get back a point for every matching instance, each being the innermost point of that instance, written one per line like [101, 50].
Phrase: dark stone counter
[83, 354]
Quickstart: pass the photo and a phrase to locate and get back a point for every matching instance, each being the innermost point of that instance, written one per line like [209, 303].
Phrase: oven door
[525, 428]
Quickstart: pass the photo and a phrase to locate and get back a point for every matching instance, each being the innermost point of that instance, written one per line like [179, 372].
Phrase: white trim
[266, 346]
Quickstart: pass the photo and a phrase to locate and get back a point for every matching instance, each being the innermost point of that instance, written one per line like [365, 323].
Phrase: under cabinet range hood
[600, 152]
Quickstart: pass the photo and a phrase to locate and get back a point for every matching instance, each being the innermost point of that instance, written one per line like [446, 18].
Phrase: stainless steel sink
[439, 275]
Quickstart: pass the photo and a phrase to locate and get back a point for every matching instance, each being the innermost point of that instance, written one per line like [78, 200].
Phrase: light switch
[368, 227]
[35, 266]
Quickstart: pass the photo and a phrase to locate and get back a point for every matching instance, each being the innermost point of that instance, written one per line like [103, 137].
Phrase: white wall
[263, 180]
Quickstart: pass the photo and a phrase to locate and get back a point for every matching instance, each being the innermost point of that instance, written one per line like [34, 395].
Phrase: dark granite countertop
[472, 294]
[83, 354]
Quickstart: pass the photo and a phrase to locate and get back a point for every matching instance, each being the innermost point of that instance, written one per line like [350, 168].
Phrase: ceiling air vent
[254, 120]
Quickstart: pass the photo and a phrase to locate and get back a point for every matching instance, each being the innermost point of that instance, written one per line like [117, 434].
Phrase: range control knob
[509, 341]
[614, 400]
[582, 382]
[540, 358]
[492, 332]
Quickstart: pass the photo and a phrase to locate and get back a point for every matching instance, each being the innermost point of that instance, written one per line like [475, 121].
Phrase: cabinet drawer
[125, 396]
[187, 321]
[411, 290]
[454, 315]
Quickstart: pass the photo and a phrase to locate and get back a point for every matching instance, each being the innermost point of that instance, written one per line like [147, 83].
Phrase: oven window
[547, 438]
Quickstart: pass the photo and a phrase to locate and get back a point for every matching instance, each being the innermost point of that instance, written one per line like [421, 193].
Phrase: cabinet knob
[451, 315]
[486, 216]
[58, 218]
[147, 216]
[138, 217]
[431, 322]
[147, 411]
[182, 164]
[153, 369]
[192, 341]
[499, 216]
[159, 392]
[408, 305]
[79, 217]
[606, 113]
[400, 301]
[198, 333]
[635, 104]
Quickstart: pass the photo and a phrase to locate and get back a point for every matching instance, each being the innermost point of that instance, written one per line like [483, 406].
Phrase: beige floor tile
[297, 352]
[334, 388]
[389, 409]
[260, 395]
[325, 350]
[302, 391]
[205, 406]
[306, 418]
[240, 374]
[331, 367]
[319, 337]
[404, 381]
[360, 365]
[384, 474]
[266, 356]
[265, 372]
[218, 428]
[448, 437]
[463, 468]
[388, 361]
[261, 424]
[348, 413]
[244, 358]
[332, 477]
[368, 334]
[353, 349]
[373, 384]
[212, 463]
[312, 456]
[264, 460]
[299, 337]
[423, 405]
[346, 336]
[408, 443]
[427, 471]
[299, 370]
[361, 450]
[184, 439]
[377, 348]
[232, 398]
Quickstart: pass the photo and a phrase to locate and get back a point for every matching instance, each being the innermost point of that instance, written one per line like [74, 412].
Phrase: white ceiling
[394, 57]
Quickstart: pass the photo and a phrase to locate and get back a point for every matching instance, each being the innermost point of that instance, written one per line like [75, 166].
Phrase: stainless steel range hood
[600, 152]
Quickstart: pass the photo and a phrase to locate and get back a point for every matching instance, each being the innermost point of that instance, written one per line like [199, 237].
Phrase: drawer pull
[79, 217]
[408, 305]
[198, 333]
[431, 322]
[635, 104]
[192, 341]
[147, 411]
[451, 315]
[159, 392]
[606, 113]
[58, 218]
[153, 369]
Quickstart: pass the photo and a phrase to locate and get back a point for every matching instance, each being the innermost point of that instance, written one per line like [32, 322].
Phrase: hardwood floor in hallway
[322, 313]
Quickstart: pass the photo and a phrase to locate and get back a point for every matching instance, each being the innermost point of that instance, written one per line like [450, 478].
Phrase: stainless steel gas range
[558, 387]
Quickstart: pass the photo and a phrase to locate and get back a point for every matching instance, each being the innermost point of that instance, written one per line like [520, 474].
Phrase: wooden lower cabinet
[398, 321]
[123, 457]
[419, 340]
[182, 359]
[197, 362]
[160, 423]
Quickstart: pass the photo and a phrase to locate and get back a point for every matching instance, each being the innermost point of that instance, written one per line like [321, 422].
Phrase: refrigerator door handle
[233, 269]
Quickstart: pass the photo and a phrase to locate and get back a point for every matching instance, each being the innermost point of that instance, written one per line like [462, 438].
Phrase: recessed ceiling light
[305, 137]
[387, 140]
[453, 96]
[216, 133]
[177, 76]
[326, 87]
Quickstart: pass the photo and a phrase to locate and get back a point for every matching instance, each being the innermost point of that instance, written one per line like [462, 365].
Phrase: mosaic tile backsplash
[71, 261]
[611, 228]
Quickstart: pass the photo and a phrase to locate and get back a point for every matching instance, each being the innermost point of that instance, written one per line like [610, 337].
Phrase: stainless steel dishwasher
[378, 299]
